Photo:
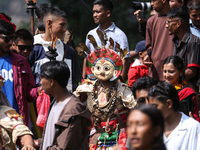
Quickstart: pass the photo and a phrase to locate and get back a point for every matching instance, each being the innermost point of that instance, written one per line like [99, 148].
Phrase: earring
[181, 75]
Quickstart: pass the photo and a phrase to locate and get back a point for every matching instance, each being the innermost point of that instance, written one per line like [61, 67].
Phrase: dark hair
[6, 28]
[143, 83]
[178, 64]
[24, 34]
[185, 2]
[107, 4]
[40, 25]
[164, 91]
[43, 9]
[7, 17]
[157, 119]
[57, 70]
[194, 5]
[40, 12]
[179, 12]
[58, 13]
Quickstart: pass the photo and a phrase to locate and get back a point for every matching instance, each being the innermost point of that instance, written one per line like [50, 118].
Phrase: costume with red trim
[11, 127]
[109, 106]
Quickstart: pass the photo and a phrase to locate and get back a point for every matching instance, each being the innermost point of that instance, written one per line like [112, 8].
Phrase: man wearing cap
[138, 68]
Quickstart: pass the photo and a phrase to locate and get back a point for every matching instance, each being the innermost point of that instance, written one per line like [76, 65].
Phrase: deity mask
[103, 64]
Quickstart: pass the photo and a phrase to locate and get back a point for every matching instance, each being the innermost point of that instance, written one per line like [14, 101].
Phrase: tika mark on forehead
[102, 60]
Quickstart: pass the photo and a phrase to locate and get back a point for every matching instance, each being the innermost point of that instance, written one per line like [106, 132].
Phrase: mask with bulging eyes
[104, 70]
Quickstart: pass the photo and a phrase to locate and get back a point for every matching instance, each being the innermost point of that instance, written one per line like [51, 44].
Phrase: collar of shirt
[111, 28]
[191, 23]
[183, 40]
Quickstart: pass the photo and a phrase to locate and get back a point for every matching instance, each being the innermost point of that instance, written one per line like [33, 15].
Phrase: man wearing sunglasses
[19, 84]
[23, 43]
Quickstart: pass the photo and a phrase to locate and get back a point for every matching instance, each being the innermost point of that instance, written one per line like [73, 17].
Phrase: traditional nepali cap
[140, 46]
[107, 54]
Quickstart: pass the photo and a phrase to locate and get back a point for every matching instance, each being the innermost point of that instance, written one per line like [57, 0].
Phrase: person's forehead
[194, 11]
[142, 92]
[98, 6]
[24, 42]
[60, 19]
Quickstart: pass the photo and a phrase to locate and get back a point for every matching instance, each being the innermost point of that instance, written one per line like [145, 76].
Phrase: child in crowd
[138, 68]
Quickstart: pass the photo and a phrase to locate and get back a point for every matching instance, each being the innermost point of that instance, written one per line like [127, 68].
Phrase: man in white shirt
[181, 132]
[102, 16]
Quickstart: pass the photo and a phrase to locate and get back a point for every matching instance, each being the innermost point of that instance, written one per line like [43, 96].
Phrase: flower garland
[180, 86]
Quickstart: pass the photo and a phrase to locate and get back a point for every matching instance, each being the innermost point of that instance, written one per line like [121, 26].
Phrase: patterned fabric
[112, 32]
[188, 49]
[97, 140]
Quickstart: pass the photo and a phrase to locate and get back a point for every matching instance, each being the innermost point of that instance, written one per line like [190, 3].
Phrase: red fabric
[2, 17]
[184, 93]
[192, 65]
[136, 72]
[24, 84]
[122, 140]
[113, 122]
[42, 103]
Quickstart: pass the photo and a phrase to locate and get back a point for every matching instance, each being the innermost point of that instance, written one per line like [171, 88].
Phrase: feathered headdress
[102, 53]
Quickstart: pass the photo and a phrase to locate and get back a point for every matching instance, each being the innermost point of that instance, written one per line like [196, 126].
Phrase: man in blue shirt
[194, 11]
[102, 16]
[19, 85]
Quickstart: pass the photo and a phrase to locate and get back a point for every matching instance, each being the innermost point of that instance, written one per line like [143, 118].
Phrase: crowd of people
[153, 104]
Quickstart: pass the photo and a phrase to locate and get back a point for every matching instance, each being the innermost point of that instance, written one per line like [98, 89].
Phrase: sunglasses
[25, 47]
[7, 38]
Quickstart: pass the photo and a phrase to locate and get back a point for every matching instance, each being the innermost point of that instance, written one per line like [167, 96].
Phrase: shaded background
[80, 19]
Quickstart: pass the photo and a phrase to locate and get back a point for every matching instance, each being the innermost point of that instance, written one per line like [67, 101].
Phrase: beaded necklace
[108, 109]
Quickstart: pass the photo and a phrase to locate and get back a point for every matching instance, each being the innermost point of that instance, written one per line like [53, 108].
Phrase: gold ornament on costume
[13, 114]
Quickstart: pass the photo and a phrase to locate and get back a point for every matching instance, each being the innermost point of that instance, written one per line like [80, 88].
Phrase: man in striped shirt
[186, 45]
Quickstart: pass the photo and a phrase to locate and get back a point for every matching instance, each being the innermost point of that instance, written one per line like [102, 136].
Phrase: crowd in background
[158, 93]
